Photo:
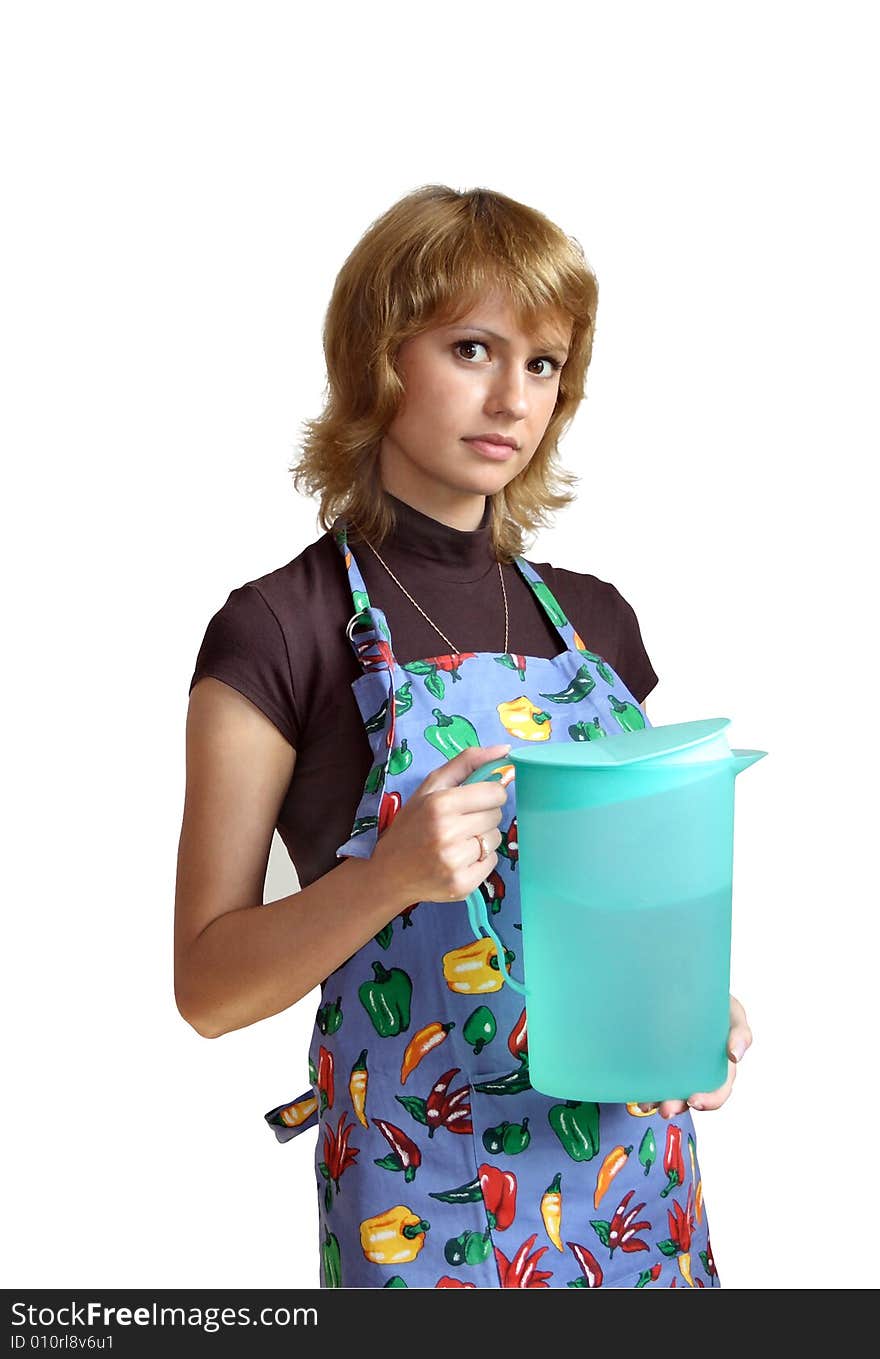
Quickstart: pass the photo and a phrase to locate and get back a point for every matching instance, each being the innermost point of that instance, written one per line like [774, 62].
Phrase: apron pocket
[289, 1120]
[514, 1170]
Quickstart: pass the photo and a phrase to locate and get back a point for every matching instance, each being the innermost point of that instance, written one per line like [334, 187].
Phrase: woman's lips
[499, 452]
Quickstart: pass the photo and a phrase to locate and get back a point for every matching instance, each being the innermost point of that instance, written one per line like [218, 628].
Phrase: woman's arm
[236, 960]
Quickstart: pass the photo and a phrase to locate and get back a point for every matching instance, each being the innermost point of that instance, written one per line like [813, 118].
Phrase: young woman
[344, 698]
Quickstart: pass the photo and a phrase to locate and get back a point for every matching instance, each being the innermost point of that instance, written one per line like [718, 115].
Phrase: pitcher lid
[700, 740]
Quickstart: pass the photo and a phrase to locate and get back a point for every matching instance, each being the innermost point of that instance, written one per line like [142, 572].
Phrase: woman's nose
[508, 391]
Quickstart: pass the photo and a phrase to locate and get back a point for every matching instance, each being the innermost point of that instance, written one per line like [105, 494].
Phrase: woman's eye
[468, 344]
[552, 364]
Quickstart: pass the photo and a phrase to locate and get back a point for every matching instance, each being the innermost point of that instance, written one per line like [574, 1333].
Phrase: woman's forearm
[256, 961]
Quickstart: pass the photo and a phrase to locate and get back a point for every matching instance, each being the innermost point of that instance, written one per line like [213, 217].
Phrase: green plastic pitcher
[626, 870]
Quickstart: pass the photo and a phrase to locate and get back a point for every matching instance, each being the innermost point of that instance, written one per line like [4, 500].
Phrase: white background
[182, 183]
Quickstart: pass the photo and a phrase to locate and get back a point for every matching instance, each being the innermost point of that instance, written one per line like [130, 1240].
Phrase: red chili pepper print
[518, 1039]
[590, 1267]
[492, 891]
[522, 1270]
[621, 1230]
[404, 1156]
[376, 655]
[338, 1155]
[681, 1229]
[681, 1224]
[509, 846]
[452, 663]
[443, 1108]
[673, 1159]
[325, 1078]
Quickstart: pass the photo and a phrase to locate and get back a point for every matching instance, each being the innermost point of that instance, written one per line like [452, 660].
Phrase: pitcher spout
[743, 758]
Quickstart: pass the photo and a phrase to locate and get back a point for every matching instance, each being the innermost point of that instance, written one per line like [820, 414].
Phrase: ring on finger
[483, 850]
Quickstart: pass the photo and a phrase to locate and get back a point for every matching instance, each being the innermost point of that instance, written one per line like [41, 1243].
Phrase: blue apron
[437, 1164]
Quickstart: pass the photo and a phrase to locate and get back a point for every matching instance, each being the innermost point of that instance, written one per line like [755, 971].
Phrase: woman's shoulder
[308, 573]
[267, 638]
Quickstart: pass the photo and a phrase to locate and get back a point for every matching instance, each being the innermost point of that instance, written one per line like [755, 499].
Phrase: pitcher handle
[476, 905]
[479, 919]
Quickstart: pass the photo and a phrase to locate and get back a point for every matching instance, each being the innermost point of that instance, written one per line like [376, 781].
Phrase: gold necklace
[455, 650]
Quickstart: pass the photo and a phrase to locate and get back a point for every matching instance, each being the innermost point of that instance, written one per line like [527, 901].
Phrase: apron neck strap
[372, 624]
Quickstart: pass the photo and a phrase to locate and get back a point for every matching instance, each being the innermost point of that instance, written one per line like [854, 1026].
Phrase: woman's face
[479, 376]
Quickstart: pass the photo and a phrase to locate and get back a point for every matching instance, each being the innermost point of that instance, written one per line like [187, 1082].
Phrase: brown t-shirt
[280, 640]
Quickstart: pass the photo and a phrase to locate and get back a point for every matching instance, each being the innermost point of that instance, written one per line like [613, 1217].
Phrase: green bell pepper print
[582, 684]
[648, 1150]
[470, 1248]
[480, 1028]
[628, 715]
[576, 1124]
[585, 731]
[387, 999]
[375, 778]
[329, 1017]
[400, 758]
[509, 1138]
[452, 734]
[331, 1260]
[396, 1281]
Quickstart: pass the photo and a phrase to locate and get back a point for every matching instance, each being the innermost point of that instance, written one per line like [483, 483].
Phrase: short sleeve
[633, 663]
[244, 646]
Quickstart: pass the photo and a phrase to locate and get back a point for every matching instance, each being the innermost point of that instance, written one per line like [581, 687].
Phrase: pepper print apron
[437, 1163]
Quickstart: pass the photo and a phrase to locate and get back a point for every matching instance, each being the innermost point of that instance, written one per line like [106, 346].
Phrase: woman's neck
[464, 510]
[425, 536]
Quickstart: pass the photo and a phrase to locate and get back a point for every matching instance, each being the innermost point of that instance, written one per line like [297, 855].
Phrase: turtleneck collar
[417, 534]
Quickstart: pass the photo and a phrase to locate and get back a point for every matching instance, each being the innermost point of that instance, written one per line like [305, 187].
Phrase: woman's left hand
[739, 1040]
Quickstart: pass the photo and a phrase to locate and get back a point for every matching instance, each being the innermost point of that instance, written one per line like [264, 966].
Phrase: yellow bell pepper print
[393, 1237]
[473, 969]
[522, 718]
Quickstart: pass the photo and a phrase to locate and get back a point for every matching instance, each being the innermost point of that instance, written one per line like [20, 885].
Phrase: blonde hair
[427, 260]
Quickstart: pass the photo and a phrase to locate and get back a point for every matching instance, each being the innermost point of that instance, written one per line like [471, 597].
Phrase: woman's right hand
[429, 852]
